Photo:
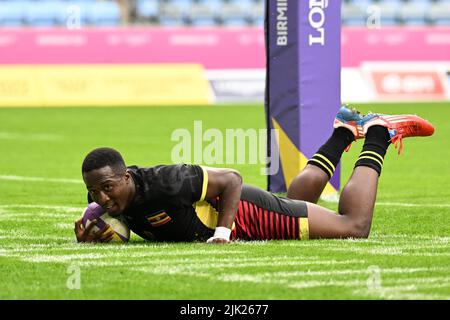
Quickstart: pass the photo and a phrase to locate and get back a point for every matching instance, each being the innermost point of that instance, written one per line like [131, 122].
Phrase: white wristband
[221, 233]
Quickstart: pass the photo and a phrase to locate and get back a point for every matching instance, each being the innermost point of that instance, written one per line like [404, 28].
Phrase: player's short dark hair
[104, 157]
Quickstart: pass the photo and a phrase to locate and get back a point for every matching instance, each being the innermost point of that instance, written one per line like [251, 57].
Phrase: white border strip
[39, 179]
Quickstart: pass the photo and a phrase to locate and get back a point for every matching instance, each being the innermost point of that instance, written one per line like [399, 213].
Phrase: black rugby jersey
[165, 204]
[170, 205]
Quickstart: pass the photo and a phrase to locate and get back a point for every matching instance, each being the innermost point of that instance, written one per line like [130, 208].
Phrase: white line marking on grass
[98, 256]
[34, 248]
[364, 271]
[30, 136]
[403, 204]
[386, 251]
[251, 243]
[399, 291]
[395, 291]
[38, 238]
[109, 255]
[409, 237]
[39, 179]
[414, 205]
[389, 247]
[38, 206]
[64, 226]
[376, 239]
[425, 254]
[35, 217]
[324, 283]
[280, 276]
[23, 236]
[188, 268]
[401, 249]
[392, 288]
[206, 267]
[384, 292]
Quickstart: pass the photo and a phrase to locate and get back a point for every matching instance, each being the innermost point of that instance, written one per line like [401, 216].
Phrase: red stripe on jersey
[253, 224]
[271, 228]
[277, 226]
[266, 224]
[294, 229]
[237, 225]
[288, 227]
[252, 220]
[283, 223]
[249, 219]
[245, 220]
[261, 223]
[241, 221]
[257, 222]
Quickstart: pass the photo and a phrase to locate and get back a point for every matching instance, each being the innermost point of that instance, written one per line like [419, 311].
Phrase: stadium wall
[227, 65]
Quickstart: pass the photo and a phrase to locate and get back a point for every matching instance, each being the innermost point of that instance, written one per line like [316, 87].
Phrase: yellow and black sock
[328, 156]
[374, 149]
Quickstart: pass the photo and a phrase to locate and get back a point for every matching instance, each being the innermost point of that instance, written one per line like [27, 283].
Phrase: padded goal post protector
[303, 52]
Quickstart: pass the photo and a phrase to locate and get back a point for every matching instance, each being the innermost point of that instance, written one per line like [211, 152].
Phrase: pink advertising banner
[395, 44]
[214, 48]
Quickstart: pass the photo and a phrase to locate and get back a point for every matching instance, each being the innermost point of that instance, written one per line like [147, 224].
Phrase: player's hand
[217, 240]
[86, 235]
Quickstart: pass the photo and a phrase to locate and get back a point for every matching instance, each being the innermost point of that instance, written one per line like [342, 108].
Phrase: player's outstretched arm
[87, 235]
[225, 184]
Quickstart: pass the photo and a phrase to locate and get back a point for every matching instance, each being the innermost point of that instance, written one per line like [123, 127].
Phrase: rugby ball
[95, 211]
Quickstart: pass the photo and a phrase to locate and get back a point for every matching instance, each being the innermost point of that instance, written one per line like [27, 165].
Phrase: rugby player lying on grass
[195, 203]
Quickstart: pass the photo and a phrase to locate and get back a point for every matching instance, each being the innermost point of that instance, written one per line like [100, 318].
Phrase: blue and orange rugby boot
[399, 126]
[351, 119]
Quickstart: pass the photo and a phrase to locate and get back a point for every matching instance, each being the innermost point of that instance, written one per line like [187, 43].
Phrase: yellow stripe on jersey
[205, 183]
[304, 228]
[207, 214]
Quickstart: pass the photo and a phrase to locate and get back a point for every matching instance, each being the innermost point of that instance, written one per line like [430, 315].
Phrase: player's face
[112, 191]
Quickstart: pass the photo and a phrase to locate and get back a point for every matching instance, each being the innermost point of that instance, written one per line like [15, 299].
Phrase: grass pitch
[407, 255]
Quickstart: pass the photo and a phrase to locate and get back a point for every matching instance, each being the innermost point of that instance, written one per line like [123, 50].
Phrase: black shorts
[265, 216]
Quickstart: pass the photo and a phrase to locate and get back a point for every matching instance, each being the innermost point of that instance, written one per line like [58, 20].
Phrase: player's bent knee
[358, 229]
[324, 223]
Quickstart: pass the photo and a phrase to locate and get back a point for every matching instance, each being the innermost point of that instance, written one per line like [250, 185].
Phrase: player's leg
[356, 206]
[357, 199]
[309, 184]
